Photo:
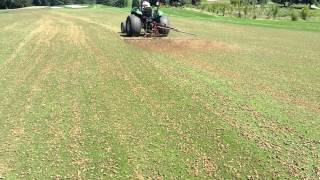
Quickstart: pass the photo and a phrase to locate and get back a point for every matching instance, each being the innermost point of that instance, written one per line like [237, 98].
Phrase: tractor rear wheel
[133, 25]
[123, 27]
[164, 21]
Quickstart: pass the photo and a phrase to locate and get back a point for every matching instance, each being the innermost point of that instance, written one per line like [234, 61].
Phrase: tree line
[11, 4]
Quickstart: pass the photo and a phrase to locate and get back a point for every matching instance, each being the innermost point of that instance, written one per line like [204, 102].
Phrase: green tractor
[147, 21]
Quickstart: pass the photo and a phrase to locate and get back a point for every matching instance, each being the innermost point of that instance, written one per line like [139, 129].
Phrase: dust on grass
[179, 45]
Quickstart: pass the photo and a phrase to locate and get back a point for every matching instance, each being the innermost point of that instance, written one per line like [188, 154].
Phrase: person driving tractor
[145, 4]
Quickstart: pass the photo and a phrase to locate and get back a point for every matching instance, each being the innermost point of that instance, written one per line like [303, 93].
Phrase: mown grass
[310, 25]
[78, 101]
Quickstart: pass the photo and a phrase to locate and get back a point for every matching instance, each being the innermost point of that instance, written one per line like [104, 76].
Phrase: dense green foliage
[115, 3]
[305, 13]
[291, 2]
[5, 4]
[249, 9]
[10, 4]
[294, 15]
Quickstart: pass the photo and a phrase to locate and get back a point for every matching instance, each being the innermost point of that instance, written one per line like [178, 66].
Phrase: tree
[179, 2]
[135, 3]
[6, 4]
[36, 2]
[55, 2]
[121, 3]
[22, 3]
[44, 2]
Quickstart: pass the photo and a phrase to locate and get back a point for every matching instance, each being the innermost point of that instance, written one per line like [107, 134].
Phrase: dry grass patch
[4, 169]
[17, 132]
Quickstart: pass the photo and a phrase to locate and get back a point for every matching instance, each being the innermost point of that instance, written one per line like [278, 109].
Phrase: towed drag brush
[152, 23]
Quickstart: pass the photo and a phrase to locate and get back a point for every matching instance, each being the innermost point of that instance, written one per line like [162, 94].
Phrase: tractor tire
[133, 25]
[164, 21]
[123, 27]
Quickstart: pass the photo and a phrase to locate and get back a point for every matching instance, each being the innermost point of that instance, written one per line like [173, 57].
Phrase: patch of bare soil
[179, 45]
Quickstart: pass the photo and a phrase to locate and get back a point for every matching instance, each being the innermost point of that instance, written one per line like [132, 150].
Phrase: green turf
[77, 101]
[309, 25]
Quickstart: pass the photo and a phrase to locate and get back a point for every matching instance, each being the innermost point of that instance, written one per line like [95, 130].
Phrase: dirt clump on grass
[17, 132]
[179, 45]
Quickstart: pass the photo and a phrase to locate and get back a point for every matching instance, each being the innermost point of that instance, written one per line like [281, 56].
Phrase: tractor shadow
[141, 36]
[125, 36]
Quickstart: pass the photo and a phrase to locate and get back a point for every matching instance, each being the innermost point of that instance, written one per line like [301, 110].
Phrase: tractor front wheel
[164, 21]
[133, 25]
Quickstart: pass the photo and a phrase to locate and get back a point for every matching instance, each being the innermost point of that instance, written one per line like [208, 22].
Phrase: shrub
[305, 13]
[254, 12]
[239, 13]
[235, 2]
[223, 9]
[213, 7]
[204, 7]
[275, 11]
[245, 10]
[294, 15]
[254, 16]
[217, 7]
[230, 10]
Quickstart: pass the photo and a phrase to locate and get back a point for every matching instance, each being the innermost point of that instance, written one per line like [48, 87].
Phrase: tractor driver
[145, 4]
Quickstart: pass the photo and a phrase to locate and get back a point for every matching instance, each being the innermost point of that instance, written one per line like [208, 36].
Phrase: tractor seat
[147, 11]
